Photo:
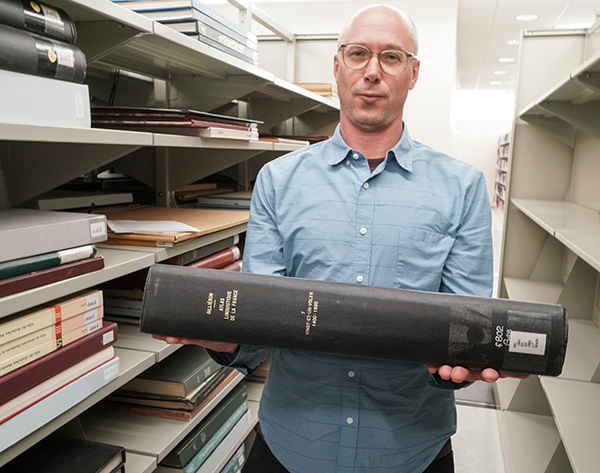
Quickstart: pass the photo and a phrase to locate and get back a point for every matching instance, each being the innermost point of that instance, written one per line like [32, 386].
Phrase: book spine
[80, 332]
[201, 7]
[201, 375]
[10, 269]
[354, 320]
[227, 41]
[42, 412]
[33, 54]
[232, 407]
[235, 266]
[38, 18]
[215, 44]
[20, 380]
[199, 253]
[218, 260]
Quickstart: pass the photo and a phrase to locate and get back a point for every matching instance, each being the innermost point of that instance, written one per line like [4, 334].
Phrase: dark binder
[349, 319]
[38, 18]
[30, 53]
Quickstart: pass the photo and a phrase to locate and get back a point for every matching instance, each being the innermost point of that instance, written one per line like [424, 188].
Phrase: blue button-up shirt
[420, 220]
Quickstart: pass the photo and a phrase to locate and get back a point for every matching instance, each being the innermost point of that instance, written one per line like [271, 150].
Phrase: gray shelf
[131, 338]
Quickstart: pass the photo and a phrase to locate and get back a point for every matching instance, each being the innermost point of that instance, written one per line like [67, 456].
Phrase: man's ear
[336, 66]
[415, 73]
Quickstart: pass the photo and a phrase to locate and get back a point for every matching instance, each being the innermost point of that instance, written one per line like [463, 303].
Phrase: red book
[51, 275]
[34, 373]
[236, 266]
[218, 260]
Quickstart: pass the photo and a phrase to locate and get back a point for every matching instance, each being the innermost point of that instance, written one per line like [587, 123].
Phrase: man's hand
[458, 374]
[214, 346]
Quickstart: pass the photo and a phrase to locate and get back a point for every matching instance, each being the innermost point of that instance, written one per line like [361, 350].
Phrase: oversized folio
[348, 319]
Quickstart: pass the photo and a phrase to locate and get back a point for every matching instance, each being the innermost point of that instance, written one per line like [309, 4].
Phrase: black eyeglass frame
[407, 54]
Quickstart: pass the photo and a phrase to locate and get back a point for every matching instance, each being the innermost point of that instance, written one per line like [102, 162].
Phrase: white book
[44, 411]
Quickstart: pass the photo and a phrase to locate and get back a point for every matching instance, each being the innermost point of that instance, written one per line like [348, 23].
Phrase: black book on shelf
[29, 53]
[39, 18]
[57, 454]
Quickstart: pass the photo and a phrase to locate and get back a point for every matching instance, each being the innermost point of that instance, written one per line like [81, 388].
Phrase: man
[370, 206]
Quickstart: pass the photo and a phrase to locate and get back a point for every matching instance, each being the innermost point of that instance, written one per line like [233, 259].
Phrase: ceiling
[485, 26]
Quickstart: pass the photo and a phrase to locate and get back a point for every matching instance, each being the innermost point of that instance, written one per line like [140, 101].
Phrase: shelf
[582, 361]
[576, 227]
[131, 338]
[117, 263]
[535, 291]
[136, 463]
[146, 435]
[132, 363]
[576, 411]
[532, 440]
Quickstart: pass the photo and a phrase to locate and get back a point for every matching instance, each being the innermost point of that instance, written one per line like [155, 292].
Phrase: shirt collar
[401, 152]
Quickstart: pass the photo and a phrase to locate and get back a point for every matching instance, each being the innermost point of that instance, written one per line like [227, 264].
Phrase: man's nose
[373, 69]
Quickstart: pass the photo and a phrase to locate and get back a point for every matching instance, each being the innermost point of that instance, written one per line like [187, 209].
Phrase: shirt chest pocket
[421, 255]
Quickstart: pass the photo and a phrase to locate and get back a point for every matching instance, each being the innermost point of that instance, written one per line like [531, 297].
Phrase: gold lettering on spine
[311, 313]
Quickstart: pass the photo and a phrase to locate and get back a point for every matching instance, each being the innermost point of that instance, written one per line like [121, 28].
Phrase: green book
[201, 441]
[177, 375]
[29, 264]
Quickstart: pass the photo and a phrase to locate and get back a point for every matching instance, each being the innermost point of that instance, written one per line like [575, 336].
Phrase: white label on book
[65, 57]
[93, 326]
[108, 337]
[98, 230]
[92, 301]
[75, 254]
[90, 316]
[53, 24]
[79, 108]
[111, 372]
[165, 244]
[527, 342]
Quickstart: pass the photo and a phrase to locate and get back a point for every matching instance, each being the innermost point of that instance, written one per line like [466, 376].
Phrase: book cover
[235, 266]
[59, 454]
[51, 275]
[197, 444]
[177, 375]
[218, 260]
[42, 412]
[355, 320]
[29, 264]
[38, 17]
[40, 391]
[30, 53]
[28, 376]
[31, 320]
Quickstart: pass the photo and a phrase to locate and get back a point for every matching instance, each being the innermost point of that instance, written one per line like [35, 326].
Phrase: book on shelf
[196, 446]
[30, 53]
[20, 233]
[233, 201]
[230, 442]
[252, 59]
[58, 454]
[63, 199]
[10, 349]
[160, 7]
[278, 139]
[31, 320]
[29, 264]
[34, 373]
[205, 220]
[200, 400]
[40, 101]
[202, 252]
[234, 464]
[190, 21]
[350, 319]
[259, 375]
[178, 375]
[60, 401]
[323, 89]
[34, 352]
[47, 387]
[235, 266]
[217, 260]
[40, 18]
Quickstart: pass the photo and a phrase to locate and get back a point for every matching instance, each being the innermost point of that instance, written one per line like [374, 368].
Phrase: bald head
[403, 21]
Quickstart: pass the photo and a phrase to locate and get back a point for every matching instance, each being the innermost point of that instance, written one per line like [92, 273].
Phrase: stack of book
[41, 71]
[322, 89]
[123, 296]
[176, 388]
[42, 247]
[175, 121]
[51, 358]
[193, 453]
[197, 20]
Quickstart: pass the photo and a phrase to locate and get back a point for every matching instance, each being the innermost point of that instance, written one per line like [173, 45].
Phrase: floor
[476, 444]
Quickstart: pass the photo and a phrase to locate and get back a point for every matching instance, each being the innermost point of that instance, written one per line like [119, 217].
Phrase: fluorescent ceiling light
[507, 59]
[528, 17]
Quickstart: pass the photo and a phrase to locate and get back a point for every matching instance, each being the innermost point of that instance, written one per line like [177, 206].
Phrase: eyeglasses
[392, 61]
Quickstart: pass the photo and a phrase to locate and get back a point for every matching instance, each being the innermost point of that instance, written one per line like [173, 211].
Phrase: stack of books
[123, 296]
[175, 121]
[41, 247]
[323, 89]
[176, 388]
[41, 71]
[197, 20]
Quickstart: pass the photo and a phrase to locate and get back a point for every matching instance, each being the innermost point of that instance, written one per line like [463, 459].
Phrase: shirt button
[351, 374]
[349, 420]
[360, 278]
[347, 162]
[355, 156]
[363, 231]
[366, 185]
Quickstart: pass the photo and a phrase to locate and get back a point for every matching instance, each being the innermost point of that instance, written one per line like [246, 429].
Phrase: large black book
[29, 53]
[348, 319]
[38, 18]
